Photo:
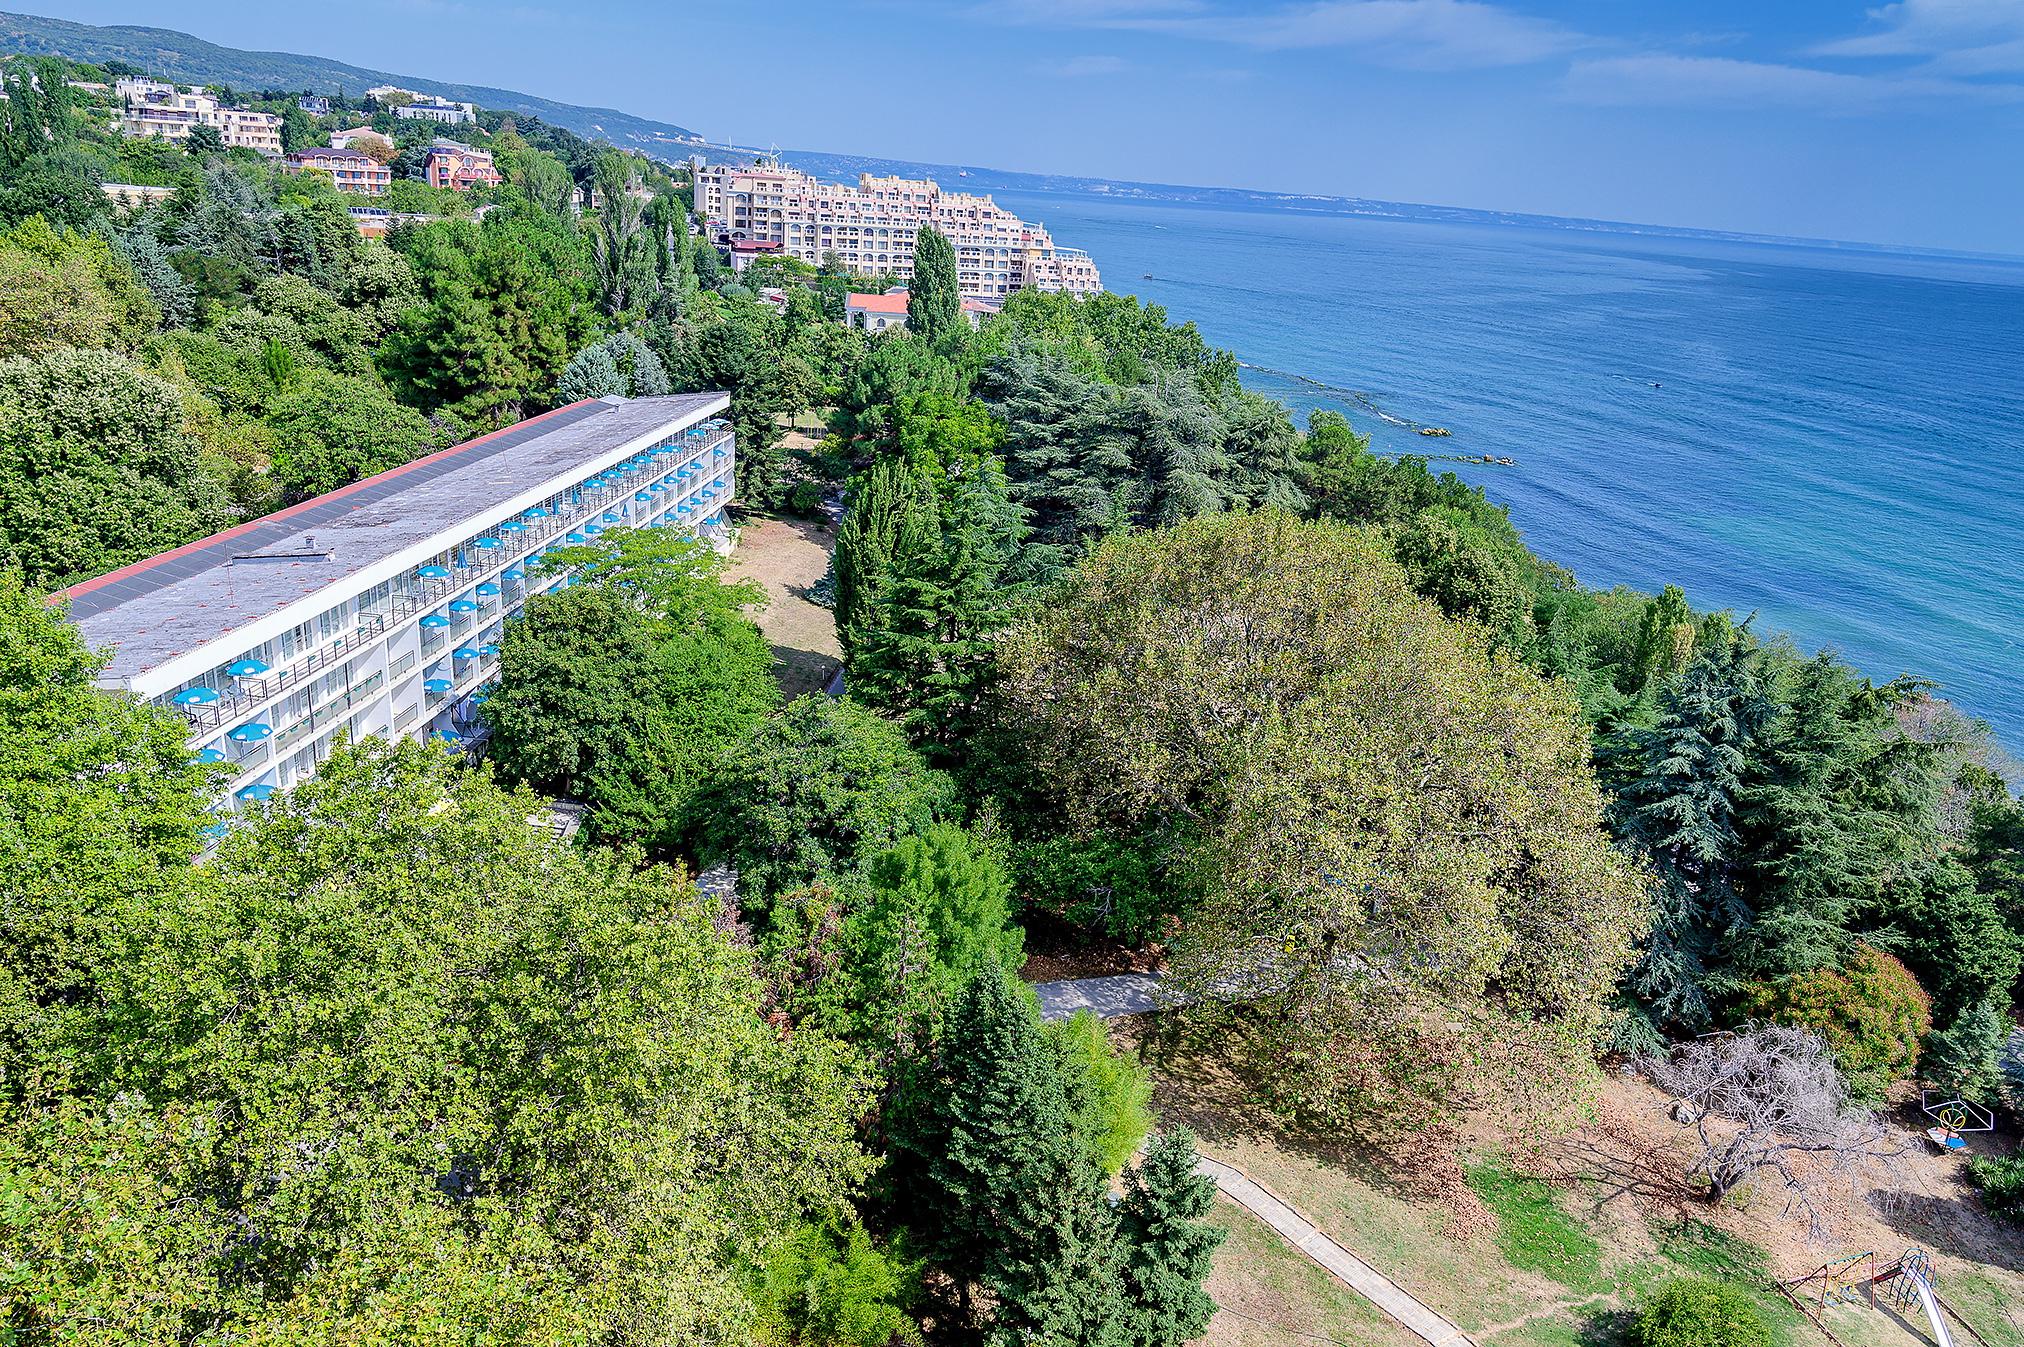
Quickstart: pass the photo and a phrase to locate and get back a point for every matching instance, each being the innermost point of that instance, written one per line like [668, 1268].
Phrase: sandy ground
[788, 556]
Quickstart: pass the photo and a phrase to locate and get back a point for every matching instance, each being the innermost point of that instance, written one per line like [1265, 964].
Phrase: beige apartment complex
[153, 108]
[871, 227]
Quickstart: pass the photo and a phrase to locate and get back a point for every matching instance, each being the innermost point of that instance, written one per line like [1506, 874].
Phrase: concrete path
[1136, 993]
[1358, 1275]
[1109, 997]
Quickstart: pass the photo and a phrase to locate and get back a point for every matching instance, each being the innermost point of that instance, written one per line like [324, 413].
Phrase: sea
[1829, 441]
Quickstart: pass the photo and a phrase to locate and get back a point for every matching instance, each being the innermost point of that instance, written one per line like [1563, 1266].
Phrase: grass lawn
[1272, 1295]
[1518, 1260]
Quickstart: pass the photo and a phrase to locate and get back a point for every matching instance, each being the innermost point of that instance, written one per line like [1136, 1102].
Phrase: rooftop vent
[309, 551]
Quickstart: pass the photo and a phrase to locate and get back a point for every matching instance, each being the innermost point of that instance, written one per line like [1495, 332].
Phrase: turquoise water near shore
[1831, 439]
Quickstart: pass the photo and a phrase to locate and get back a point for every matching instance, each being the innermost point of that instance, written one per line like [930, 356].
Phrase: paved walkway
[1136, 993]
[1358, 1275]
[1109, 997]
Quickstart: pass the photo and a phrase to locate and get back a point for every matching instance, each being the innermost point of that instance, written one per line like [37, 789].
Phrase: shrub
[1699, 1312]
[1105, 881]
[2001, 1180]
[1871, 1011]
[805, 498]
[830, 1289]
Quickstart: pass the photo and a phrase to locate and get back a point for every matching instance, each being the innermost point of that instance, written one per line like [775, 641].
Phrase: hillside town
[749, 210]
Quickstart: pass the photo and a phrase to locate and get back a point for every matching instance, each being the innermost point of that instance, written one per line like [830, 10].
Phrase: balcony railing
[253, 694]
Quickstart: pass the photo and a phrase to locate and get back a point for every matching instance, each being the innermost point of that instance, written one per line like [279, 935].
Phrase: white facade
[379, 608]
[428, 109]
[871, 227]
[167, 111]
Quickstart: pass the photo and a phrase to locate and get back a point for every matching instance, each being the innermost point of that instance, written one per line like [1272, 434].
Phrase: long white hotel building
[871, 227]
[378, 608]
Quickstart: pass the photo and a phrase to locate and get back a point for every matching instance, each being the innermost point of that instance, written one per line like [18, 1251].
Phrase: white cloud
[1084, 67]
[1960, 37]
[1716, 81]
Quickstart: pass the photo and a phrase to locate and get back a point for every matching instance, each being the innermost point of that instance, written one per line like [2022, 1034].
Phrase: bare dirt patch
[788, 557]
[1618, 1169]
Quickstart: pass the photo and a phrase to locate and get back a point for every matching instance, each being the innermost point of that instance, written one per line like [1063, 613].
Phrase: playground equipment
[1905, 1284]
[1951, 1117]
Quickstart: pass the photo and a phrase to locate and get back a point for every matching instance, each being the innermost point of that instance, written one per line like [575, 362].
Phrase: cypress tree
[922, 568]
[1168, 1244]
[891, 517]
[993, 1184]
[935, 298]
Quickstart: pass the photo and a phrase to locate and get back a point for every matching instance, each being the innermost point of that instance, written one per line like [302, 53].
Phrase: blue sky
[1892, 123]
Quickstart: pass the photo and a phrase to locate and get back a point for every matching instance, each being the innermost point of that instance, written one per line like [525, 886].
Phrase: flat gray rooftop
[166, 606]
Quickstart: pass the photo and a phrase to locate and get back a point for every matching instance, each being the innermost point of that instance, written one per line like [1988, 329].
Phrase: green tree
[621, 253]
[1109, 1093]
[1837, 821]
[894, 366]
[96, 469]
[925, 570]
[1358, 784]
[819, 1288]
[1169, 1244]
[577, 684]
[1466, 574]
[498, 1028]
[330, 431]
[715, 688]
[1965, 1059]
[1700, 1312]
[812, 792]
[929, 911]
[102, 802]
[1679, 806]
[624, 690]
[68, 289]
[1665, 636]
[504, 310]
[993, 1183]
[39, 112]
[735, 343]
[935, 297]
[674, 579]
[1871, 1012]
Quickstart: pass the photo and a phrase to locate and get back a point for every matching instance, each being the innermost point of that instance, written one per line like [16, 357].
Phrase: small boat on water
[1438, 431]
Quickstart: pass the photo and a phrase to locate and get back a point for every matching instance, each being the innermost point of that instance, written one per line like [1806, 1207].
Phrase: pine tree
[935, 299]
[995, 1187]
[1168, 1244]
[1965, 1058]
[1681, 806]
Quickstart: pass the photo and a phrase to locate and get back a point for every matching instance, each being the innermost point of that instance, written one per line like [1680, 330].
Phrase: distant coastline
[975, 178]
[181, 56]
